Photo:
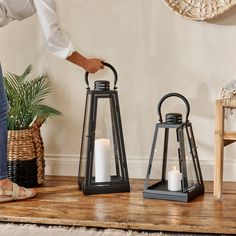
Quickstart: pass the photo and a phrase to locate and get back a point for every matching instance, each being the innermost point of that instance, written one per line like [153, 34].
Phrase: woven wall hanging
[200, 9]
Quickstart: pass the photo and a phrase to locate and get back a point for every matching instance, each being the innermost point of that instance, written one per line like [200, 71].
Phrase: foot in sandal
[12, 192]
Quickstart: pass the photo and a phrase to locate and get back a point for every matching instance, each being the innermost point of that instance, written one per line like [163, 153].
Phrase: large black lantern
[173, 171]
[103, 166]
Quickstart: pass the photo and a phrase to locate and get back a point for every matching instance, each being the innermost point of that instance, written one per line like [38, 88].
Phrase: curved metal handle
[107, 65]
[173, 95]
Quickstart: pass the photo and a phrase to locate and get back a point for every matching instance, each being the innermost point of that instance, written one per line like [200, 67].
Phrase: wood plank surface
[59, 202]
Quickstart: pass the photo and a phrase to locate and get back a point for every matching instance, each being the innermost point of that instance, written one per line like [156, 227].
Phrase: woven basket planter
[26, 156]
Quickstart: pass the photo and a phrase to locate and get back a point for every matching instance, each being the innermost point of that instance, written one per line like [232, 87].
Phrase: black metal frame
[159, 190]
[119, 182]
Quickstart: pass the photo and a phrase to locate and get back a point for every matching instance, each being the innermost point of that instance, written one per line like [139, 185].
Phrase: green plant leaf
[25, 97]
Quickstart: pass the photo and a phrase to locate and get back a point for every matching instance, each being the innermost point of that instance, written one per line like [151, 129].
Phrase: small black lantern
[180, 178]
[103, 166]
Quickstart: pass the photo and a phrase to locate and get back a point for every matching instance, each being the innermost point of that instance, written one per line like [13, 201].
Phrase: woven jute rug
[34, 230]
[200, 9]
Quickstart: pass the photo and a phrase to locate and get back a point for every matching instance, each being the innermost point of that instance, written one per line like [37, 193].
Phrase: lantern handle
[173, 95]
[107, 65]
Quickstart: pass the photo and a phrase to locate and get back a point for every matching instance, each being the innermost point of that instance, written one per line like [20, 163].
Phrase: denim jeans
[3, 129]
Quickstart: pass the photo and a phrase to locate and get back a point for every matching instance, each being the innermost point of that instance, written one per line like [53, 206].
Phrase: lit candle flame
[174, 168]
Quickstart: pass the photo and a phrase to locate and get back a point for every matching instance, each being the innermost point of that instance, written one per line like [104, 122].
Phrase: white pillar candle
[174, 180]
[102, 160]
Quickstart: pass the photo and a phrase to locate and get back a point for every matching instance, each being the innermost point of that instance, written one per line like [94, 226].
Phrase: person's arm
[57, 42]
[92, 65]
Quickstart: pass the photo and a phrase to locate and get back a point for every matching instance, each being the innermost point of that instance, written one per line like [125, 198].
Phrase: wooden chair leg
[219, 150]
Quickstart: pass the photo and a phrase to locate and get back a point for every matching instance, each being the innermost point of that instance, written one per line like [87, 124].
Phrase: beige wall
[154, 51]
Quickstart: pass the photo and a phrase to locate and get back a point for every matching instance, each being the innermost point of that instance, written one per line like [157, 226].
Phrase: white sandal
[14, 195]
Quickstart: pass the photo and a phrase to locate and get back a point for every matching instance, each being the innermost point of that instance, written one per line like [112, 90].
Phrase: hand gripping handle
[107, 65]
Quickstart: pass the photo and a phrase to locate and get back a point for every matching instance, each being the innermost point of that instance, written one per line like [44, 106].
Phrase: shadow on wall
[228, 18]
[200, 102]
[201, 97]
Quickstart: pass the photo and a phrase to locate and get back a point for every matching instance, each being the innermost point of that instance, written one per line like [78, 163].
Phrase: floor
[59, 202]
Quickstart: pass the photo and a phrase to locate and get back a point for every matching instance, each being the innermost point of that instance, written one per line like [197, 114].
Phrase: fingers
[92, 71]
[101, 63]
[97, 66]
[101, 66]
[93, 65]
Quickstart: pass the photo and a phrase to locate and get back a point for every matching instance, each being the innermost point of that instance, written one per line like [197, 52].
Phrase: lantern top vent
[173, 118]
[102, 85]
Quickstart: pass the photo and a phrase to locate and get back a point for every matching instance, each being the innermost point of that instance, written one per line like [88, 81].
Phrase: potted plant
[25, 117]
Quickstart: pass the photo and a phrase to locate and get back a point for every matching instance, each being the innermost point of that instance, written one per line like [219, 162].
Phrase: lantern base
[160, 191]
[117, 185]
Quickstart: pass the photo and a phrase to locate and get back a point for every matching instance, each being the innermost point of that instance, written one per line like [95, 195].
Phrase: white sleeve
[57, 42]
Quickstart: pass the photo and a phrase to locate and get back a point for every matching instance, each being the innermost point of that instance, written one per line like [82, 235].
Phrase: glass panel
[190, 160]
[173, 174]
[84, 142]
[106, 164]
[155, 168]
[116, 158]
[165, 166]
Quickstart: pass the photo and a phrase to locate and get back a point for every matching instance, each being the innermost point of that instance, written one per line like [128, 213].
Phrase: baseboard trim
[68, 165]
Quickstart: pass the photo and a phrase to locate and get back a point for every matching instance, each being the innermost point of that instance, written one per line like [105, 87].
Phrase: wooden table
[222, 139]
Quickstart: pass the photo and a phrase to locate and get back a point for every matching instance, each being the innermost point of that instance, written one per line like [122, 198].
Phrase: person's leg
[3, 130]
[6, 186]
